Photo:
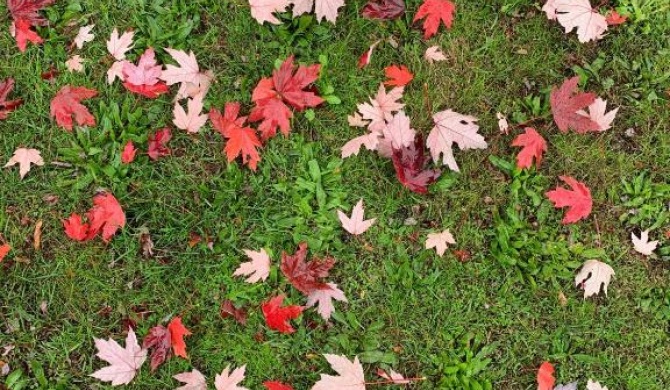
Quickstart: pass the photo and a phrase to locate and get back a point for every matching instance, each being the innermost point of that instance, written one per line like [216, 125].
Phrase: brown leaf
[229, 310]
[193, 239]
[147, 245]
[37, 235]
[562, 299]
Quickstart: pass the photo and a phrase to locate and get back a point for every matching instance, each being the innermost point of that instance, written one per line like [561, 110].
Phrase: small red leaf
[435, 11]
[545, 377]
[158, 142]
[228, 309]
[410, 163]
[128, 154]
[67, 104]
[4, 250]
[614, 18]
[578, 200]
[177, 333]
[75, 228]
[277, 317]
[7, 106]
[275, 385]
[305, 276]
[397, 75]
[160, 340]
[533, 147]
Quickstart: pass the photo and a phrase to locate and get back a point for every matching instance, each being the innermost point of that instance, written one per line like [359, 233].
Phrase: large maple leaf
[453, 128]
[144, 78]
[397, 134]
[273, 96]
[194, 119]
[7, 106]
[323, 9]
[228, 380]
[278, 317]
[351, 375]
[533, 147]
[435, 11]
[410, 167]
[566, 104]
[305, 276]
[124, 363]
[105, 217]
[577, 199]
[26, 15]
[262, 10]
[67, 104]
[383, 9]
[118, 46]
[241, 140]
[187, 71]
[24, 157]
[579, 14]
[593, 276]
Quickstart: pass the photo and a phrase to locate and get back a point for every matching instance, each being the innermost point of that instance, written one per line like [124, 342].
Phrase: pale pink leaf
[119, 46]
[257, 269]
[193, 380]
[75, 64]
[324, 298]
[116, 70]
[262, 10]
[593, 385]
[84, 35]
[324, 9]
[592, 276]
[229, 380]
[187, 71]
[549, 8]
[434, 54]
[453, 128]
[598, 113]
[440, 241]
[193, 120]
[24, 157]
[124, 363]
[578, 14]
[398, 131]
[356, 224]
[642, 244]
[351, 376]
[394, 377]
[200, 86]
[146, 72]
[381, 108]
[502, 123]
[356, 120]
[353, 147]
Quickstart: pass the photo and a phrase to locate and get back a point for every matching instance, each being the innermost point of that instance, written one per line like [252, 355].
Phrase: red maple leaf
[435, 11]
[383, 9]
[275, 385]
[105, 217]
[26, 15]
[277, 317]
[241, 141]
[397, 75]
[305, 276]
[148, 91]
[410, 163]
[614, 18]
[177, 333]
[566, 101]
[533, 147]
[228, 309]
[7, 106]
[128, 153]
[67, 104]
[165, 340]
[285, 88]
[578, 199]
[4, 250]
[157, 143]
[545, 377]
[75, 228]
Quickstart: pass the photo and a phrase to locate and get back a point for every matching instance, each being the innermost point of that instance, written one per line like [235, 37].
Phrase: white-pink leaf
[124, 363]
[146, 72]
[187, 71]
[119, 46]
[356, 120]
[398, 131]
[356, 224]
[549, 8]
[229, 380]
[324, 9]
[116, 70]
[257, 269]
[642, 244]
[353, 147]
[381, 108]
[394, 377]
[324, 298]
[502, 123]
[578, 14]
[199, 87]
[262, 10]
[193, 120]
[24, 157]
[434, 54]
[75, 64]
[453, 128]
[594, 275]
[598, 113]
[193, 380]
[84, 35]
[351, 376]
[440, 241]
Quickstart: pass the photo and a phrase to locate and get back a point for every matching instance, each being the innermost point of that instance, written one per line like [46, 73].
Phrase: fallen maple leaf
[75, 228]
[143, 78]
[274, 385]
[353, 147]
[305, 276]
[545, 377]
[158, 142]
[393, 377]
[116, 71]
[324, 298]
[577, 199]
[593, 385]
[533, 147]
[566, 103]
[229, 380]
[285, 88]
[434, 54]
[323, 9]
[84, 35]
[194, 119]
[105, 217]
[397, 76]
[579, 14]
[355, 225]
[241, 140]
[439, 241]
[381, 108]
[159, 340]
[613, 18]
[7, 106]
[187, 71]
[4, 250]
[453, 128]
[642, 244]
[118, 46]
[128, 154]
[262, 10]
[75, 64]
[567, 386]
[397, 135]
[67, 104]
[177, 333]
[277, 317]
[549, 9]
[597, 114]
[193, 380]
[228, 309]
[22, 33]
[410, 167]
[365, 58]
[594, 275]
[435, 11]
[124, 363]
[383, 9]
[257, 269]
[351, 376]
[26, 15]
[24, 157]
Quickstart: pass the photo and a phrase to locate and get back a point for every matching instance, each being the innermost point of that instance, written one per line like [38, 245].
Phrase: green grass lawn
[457, 323]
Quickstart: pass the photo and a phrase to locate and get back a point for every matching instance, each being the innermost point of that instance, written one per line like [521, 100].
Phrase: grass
[408, 309]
